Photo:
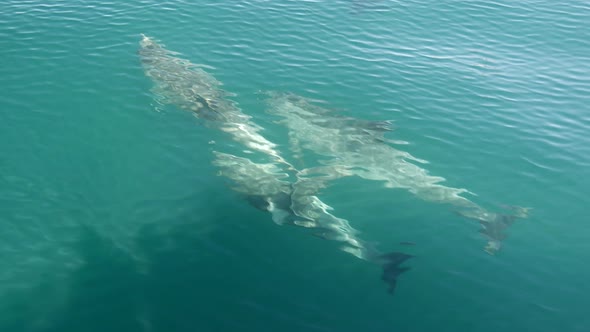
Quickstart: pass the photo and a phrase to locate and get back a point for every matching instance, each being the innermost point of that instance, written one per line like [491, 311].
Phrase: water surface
[112, 217]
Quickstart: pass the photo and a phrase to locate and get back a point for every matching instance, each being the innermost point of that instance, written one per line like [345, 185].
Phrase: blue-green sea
[113, 218]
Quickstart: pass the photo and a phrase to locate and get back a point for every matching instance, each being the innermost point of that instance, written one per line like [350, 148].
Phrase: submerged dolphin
[288, 194]
[183, 84]
[362, 148]
[297, 204]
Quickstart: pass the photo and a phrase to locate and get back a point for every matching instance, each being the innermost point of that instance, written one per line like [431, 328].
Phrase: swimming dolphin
[275, 186]
[297, 204]
[367, 153]
[181, 83]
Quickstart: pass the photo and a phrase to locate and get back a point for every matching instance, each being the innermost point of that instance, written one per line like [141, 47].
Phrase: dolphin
[266, 186]
[297, 204]
[289, 194]
[361, 146]
[188, 86]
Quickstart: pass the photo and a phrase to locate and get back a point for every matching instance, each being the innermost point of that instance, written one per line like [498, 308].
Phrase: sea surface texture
[118, 211]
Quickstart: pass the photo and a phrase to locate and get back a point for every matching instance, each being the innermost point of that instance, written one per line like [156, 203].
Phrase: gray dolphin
[181, 83]
[297, 204]
[367, 153]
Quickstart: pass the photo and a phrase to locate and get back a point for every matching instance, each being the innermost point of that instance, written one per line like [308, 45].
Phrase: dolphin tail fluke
[391, 268]
[494, 225]
[391, 289]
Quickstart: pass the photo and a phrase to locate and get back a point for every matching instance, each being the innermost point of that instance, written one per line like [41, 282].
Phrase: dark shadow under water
[183, 279]
[105, 292]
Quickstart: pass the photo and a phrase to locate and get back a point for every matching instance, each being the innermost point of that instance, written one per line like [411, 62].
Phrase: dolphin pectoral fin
[492, 247]
[517, 211]
[385, 125]
[305, 223]
[279, 216]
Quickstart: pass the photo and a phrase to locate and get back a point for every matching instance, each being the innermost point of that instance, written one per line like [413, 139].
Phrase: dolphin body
[361, 147]
[275, 186]
[297, 204]
[183, 84]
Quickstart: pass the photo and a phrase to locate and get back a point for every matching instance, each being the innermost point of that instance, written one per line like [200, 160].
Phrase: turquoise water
[112, 217]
